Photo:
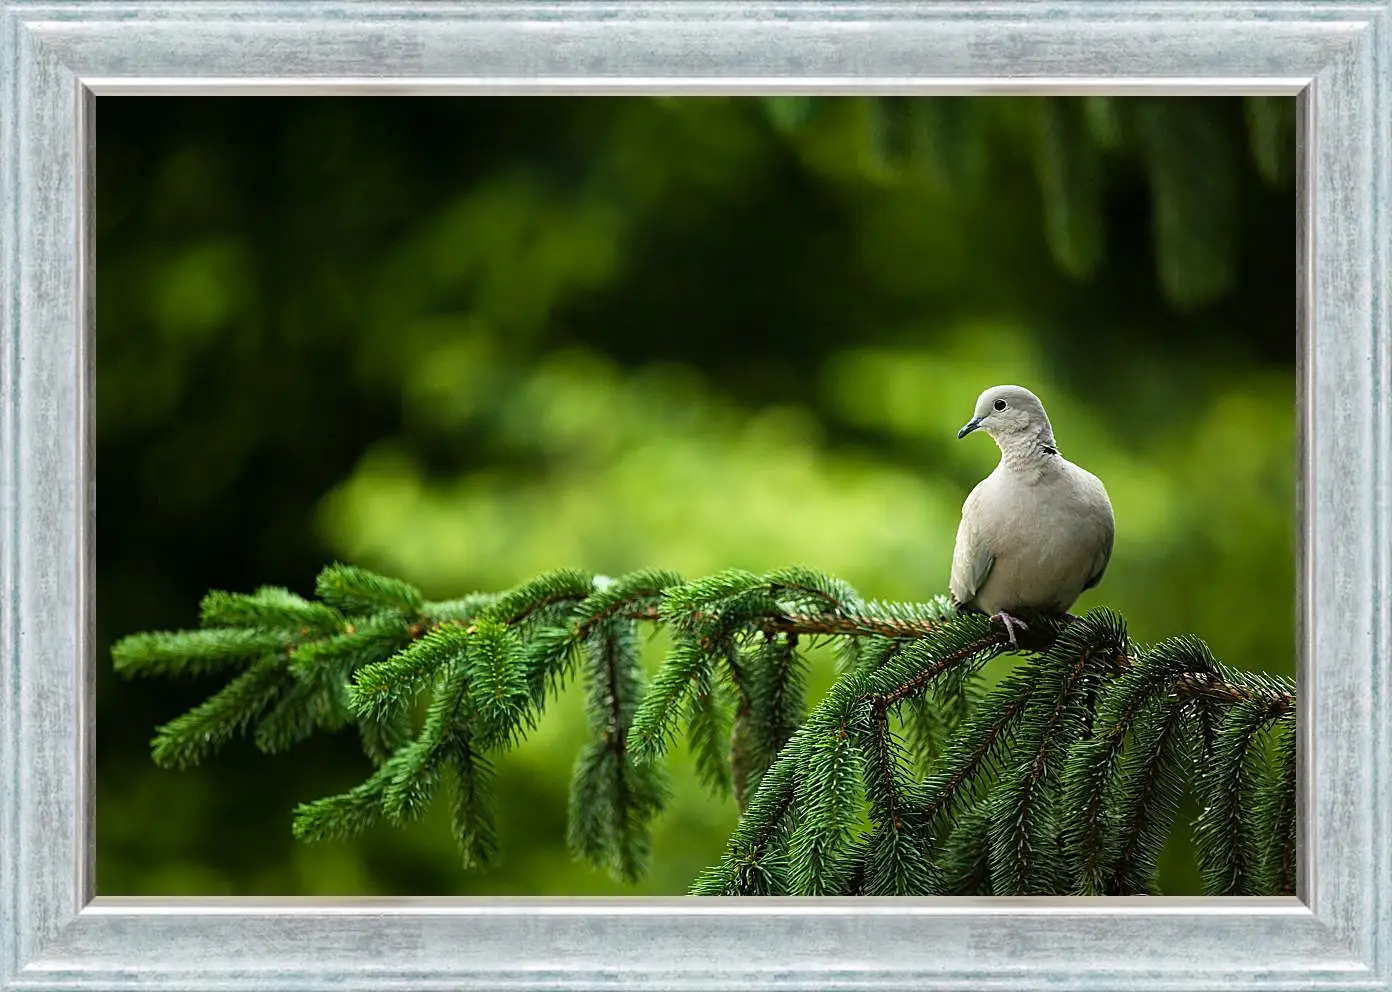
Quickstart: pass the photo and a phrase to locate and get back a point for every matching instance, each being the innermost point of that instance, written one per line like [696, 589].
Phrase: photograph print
[837, 495]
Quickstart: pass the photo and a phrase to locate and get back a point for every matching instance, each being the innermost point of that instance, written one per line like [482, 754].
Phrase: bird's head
[1008, 414]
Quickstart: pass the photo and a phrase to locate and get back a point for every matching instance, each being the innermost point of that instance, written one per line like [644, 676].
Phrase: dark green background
[465, 340]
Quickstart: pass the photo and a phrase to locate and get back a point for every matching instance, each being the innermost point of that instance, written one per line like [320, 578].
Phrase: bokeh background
[465, 340]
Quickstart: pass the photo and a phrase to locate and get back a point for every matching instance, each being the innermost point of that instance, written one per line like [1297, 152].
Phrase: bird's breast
[1044, 550]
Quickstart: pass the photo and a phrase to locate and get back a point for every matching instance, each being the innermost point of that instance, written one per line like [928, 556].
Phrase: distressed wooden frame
[57, 56]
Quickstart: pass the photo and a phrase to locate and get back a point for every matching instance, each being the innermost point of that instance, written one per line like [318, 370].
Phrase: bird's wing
[1104, 554]
[972, 557]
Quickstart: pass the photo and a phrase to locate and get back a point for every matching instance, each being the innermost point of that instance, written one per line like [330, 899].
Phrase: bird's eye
[999, 404]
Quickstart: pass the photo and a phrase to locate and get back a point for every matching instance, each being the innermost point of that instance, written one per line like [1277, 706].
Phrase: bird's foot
[1010, 623]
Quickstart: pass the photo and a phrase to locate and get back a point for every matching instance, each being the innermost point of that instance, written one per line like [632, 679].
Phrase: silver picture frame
[56, 933]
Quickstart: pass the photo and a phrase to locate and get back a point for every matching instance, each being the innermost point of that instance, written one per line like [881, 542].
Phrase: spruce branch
[754, 862]
[546, 612]
[387, 687]
[496, 682]
[827, 798]
[624, 596]
[471, 810]
[860, 624]
[327, 664]
[1227, 690]
[931, 719]
[1275, 803]
[776, 687]
[829, 753]
[196, 652]
[296, 715]
[268, 608]
[978, 748]
[1093, 764]
[717, 606]
[895, 861]
[422, 763]
[540, 602]
[356, 592]
[188, 739]
[1124, 807]
[709, 724]
[348, 814]
[382, 736]
[799, 586]
[612, 798]
[1145, 799]
[685, 674]
[965, 861]
[904, 779]
[1227, 835]
[456, 611]
[891, 673]
[1025, 858]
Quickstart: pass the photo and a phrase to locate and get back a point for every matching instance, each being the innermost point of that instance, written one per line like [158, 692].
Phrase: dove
[1038, 530]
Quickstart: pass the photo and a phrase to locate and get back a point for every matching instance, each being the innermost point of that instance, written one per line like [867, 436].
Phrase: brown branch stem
[852, 625]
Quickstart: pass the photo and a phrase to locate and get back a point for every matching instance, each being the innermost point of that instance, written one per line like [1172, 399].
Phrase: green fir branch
[327, 665]
[826, 810]
[188, 739]
[755, 858]
[1144, 801]
[497, 683]
[904, 779]
[1227, 835]
[775, 706]
[964, 865]
[1026, 858]
[804, 589]
[269, 608]
[895, 859]
[977, 752]
[1275, 804]
[388, 687]
[421, 765]
[457, 611]
[612, 798]
[541, 601]
[1093, 764]
[549, 658]
[472, 819]
[196, 652]
[347, 815]
[708, 726]
[383, 735]
[719, 605]
[296, 715]
[356, 591]
[686, 669]
[931, 720]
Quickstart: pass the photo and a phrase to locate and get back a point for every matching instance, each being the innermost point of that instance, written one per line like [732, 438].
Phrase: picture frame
[59, 57]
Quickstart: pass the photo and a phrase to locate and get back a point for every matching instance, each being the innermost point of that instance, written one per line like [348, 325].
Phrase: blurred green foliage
[463, 341]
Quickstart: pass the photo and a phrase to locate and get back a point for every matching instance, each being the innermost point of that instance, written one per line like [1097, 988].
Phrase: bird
[1035, 533]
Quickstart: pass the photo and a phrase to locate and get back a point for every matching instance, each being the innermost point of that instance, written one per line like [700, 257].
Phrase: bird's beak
[972, 425]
